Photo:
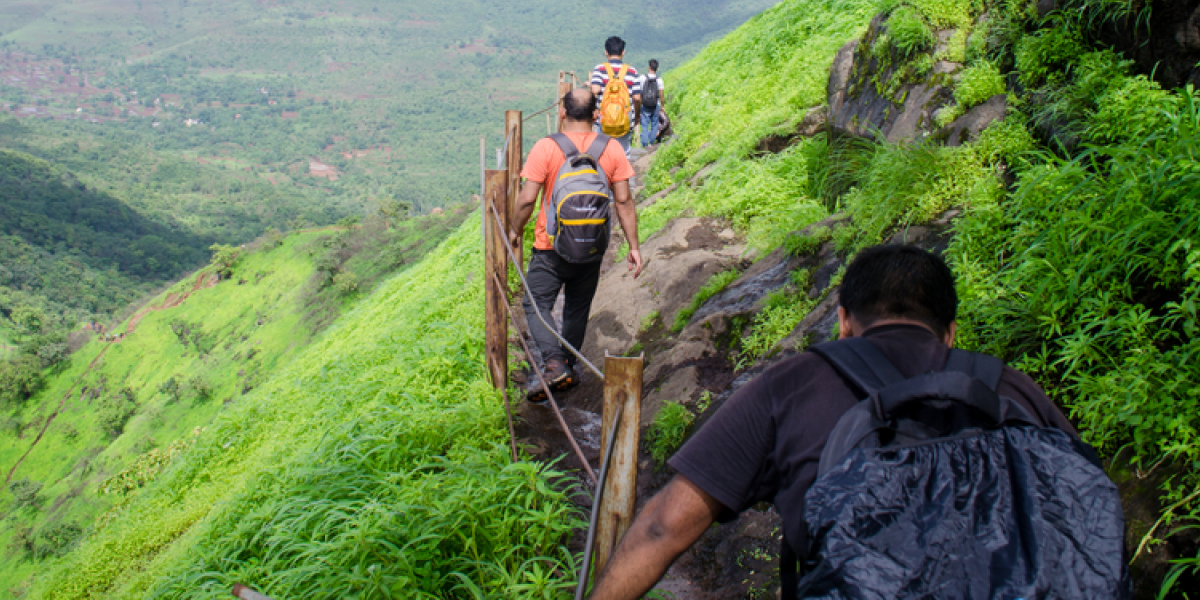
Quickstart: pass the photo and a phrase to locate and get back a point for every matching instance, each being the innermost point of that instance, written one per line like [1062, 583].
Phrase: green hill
[369, 459]
[117, 412]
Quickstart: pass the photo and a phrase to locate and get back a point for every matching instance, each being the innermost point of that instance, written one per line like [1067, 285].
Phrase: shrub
[1045, 55]
[977, 83]
[113, 413]
[908, 32]
[26, 493]
[666, 434]
[224, 259]
[57, 540]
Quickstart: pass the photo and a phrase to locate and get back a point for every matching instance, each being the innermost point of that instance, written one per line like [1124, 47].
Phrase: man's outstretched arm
[669, 524]
[627, 215]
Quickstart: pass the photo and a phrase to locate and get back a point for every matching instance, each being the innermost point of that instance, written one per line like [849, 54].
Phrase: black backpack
[650, 92]
[579, 209]
[937, 487]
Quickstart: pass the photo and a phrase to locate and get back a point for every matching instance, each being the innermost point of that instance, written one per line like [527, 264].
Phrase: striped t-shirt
[600, 78]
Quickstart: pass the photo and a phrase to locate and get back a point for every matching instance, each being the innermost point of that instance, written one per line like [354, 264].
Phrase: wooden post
[622, 387]
[495, 262]
[512, 128]
[564, 86]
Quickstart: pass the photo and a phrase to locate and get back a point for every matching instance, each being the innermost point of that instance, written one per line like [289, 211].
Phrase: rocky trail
[695, 367]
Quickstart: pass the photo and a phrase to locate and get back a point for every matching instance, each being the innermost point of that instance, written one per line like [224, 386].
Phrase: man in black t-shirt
[765, 442]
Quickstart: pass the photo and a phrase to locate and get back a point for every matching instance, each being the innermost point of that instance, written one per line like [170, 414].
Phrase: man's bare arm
[627, 216]
[671, 522]
[525, 203]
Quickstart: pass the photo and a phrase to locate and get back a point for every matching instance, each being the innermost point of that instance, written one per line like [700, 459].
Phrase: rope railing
[546, 388]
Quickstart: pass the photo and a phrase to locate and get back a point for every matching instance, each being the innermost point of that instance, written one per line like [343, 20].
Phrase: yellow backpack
[614, 108]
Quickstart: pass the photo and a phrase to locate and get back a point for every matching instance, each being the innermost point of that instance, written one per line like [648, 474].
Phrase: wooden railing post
[495, 270]
[622, 388]
[512, 129]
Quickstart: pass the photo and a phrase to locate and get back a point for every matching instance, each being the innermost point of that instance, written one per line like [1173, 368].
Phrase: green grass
[668, 431]
[373, 462]
[758, 80]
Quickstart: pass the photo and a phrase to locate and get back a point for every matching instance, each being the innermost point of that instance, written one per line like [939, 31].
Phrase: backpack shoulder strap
[980, 366]
[598, 146]
[566, 145]
[861, 362]
[608, 69]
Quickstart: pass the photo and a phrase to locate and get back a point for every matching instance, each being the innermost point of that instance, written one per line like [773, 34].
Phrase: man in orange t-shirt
[548, 272]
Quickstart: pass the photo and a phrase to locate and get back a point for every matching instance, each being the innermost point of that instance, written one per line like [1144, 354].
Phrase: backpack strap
[598, 146]
[980, 366]
[566, 145]
[861, 362]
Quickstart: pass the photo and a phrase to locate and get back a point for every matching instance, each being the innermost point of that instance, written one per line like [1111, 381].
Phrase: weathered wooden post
[564, 86]
[495, 193]
[512, 129]
[622, 388]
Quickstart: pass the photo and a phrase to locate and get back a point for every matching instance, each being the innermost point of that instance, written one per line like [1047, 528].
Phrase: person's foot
[558, 377]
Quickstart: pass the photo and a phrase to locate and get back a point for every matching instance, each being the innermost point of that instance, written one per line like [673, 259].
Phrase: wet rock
[811, 124]
[856, 106]
[968, 127]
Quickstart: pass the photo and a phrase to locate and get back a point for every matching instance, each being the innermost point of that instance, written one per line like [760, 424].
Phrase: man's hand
[635, 262]
[514, 239]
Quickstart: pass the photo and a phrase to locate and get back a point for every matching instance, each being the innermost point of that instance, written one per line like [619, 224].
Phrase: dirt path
[203, 281]
[54, 414]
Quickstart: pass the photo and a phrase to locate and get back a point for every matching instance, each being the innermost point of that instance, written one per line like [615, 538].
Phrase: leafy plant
[908, 32]
[977, 83]
[666, 434]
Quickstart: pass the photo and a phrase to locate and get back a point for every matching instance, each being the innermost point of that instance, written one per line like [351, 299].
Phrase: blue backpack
[937, 487]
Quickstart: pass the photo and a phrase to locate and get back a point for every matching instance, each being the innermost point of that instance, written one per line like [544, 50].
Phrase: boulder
[855, 105]
[968, 127]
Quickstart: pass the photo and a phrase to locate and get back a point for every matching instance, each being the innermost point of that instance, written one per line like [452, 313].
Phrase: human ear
[844, 328]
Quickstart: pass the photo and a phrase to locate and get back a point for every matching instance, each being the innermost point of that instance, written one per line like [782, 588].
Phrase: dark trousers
[548, 273]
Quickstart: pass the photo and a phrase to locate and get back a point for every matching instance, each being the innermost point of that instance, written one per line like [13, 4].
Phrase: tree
[394, 210]
[225, 258]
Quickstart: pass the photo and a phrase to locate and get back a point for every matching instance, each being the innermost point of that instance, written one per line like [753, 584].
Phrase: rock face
[872, 94]
[1171, 51]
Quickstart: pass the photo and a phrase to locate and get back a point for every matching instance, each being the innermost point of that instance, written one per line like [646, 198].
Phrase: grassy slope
[196, 350]
[337, 463]
[757, 80]
[75, 455]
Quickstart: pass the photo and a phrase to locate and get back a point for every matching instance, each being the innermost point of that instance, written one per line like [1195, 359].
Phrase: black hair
[654, 64]
[579, 110]
[889, 282]
[614, 46]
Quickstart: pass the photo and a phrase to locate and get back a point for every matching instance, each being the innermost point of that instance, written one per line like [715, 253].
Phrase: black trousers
[548, 273]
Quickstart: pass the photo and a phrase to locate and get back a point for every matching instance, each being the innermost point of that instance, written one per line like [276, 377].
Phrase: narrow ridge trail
[203, 281]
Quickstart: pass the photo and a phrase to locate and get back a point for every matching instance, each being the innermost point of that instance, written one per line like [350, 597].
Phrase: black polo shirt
[765, 442]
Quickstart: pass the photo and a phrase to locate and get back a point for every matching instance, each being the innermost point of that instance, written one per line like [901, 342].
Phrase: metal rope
[545, 387]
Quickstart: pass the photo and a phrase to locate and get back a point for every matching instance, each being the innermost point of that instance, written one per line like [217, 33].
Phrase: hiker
[775, 438]
[617, 104]
[582, 174]
[654, 96]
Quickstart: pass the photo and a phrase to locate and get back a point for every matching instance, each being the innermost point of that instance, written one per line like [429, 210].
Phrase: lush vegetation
[125, 407]
[1082, 271]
